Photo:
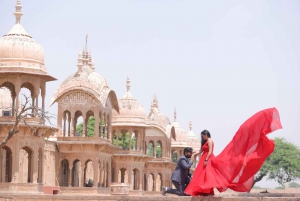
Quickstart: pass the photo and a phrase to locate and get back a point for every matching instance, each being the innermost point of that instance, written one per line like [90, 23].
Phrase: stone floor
[225, 197]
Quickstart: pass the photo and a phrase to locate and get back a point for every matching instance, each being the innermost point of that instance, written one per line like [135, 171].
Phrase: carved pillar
[3, 164]
[96, 129]
[140, 180]
[69, 125]
[96, 170]
[154, 183]
[116, 174]
[59, 121]
[84, 129]
[35, 159]
[70, 176]
[82, 183]
[100, 125]
[43, 102]
[64, 126]
[130, 137]
[154, 150]
[109, 175]
[117, 136]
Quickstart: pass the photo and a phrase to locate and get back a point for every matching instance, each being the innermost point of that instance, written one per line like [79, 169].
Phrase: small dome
[192, 140]
[181, 137]
[130, 107]
[88, 80]
[156, 116]
[19, 52]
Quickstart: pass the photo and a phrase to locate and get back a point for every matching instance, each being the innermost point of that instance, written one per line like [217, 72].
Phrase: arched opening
[112, 174]
[25, 165]
[40, 166]
[145, 182]
[158, 149]
[6, 164]
[151, 182]
[64, 172]
[114, 138]
[78, 123]
[90, 124]
[89, 174]
[150, 150]
[158, 182]
[126, 139]
[123, 176]
[76, 172]
[28, 90]
[135, 179]
[106, 174]
[174, 156]
[66, 123]
[6, 101]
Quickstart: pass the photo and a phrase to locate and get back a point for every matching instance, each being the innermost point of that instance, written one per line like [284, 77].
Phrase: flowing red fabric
[236, 165]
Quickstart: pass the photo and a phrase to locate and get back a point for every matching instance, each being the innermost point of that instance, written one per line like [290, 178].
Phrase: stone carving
[78, 98]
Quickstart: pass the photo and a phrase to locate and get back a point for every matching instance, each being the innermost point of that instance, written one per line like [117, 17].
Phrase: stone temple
[116, 142]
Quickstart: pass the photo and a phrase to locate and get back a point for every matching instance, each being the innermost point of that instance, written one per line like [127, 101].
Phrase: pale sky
[218, 62]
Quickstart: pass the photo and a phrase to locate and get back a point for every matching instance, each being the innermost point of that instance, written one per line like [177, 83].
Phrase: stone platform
[226, 197]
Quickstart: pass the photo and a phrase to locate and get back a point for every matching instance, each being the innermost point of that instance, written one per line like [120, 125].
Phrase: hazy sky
[218, 62]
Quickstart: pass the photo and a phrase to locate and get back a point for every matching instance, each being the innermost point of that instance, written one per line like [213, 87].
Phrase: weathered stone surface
[251, 197]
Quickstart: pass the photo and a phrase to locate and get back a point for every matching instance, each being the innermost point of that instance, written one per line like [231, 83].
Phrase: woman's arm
[209, 141]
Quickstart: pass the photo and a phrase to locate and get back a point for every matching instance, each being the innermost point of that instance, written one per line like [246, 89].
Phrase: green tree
[90, 127]
[294, 185]
[283, 165]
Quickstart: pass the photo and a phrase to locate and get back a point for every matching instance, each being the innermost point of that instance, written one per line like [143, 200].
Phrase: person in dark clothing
[181, 176]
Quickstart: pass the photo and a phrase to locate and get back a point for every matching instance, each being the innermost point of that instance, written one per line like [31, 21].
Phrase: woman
[237, 164]
[207, 147]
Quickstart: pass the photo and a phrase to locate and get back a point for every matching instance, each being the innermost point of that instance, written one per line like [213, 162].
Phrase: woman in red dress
[237, 164]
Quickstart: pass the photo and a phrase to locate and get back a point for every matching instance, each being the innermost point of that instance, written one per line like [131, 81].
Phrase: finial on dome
[175, 114]
[191, 126]
[18, 12]
[128, 84]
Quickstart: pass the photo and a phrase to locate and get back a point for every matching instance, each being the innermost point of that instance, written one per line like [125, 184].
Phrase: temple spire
[128, 84]
[175, 114]
[18, 12]
[191, 126]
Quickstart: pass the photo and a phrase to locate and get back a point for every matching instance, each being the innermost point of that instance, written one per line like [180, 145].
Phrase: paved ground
[228, 197]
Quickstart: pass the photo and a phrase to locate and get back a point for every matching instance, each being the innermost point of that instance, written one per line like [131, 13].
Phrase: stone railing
[21, 187]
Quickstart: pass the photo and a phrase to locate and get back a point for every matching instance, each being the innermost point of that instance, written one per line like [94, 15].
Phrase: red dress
[237, 164]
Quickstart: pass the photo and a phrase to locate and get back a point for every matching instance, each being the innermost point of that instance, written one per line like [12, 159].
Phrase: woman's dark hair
[205, 132]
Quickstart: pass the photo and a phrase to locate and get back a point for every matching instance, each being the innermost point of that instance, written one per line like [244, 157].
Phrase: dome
[156, 116]
[88, 80]
[192, 140]
[130, 108]
[181, 137]
[19, 52]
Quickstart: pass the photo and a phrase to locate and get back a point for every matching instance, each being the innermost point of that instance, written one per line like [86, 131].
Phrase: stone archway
[158, 182]
[123, 176]
[135, 179]
[25, 165]
[151, 182]
[76, 173]
[89, 173]
[64, 173]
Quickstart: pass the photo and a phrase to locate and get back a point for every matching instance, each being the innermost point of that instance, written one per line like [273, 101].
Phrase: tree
[26, 110]
[283, 165]
[294, 185]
